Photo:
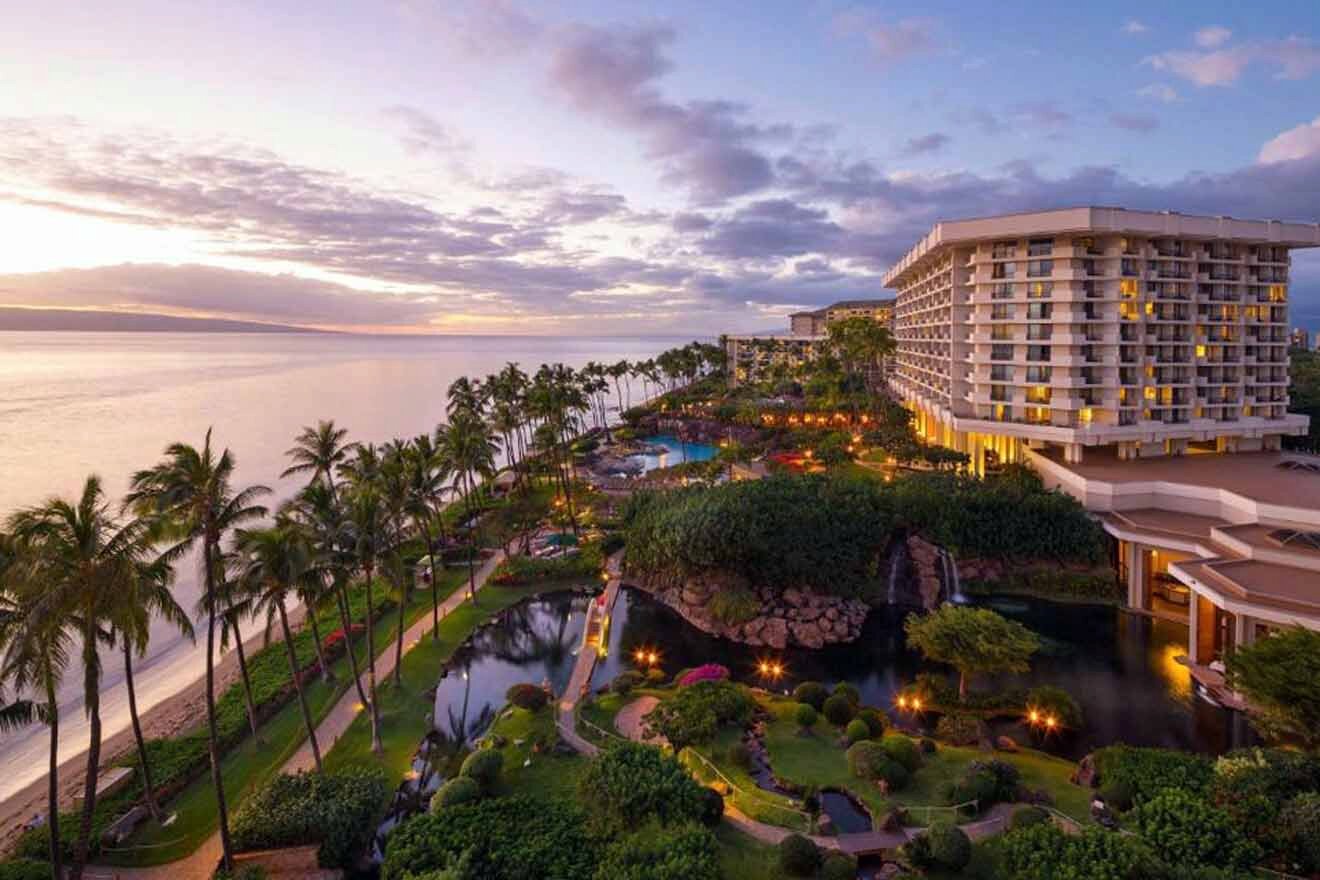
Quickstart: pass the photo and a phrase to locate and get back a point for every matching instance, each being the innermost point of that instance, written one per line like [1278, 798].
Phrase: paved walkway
[202, 863]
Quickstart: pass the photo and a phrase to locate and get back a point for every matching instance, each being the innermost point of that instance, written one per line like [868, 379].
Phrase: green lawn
[527, 771]
[742, 858]
[761, 805]
[252, 763]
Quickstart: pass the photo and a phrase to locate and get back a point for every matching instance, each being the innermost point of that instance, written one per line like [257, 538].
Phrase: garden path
[628, 721]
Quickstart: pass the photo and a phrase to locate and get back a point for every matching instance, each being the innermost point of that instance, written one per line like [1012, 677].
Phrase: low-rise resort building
[751, 356]
[1139, 361]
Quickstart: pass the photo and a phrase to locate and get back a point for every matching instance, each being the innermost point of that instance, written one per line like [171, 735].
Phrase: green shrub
[1044, 850]
[484, 766]
[961, 730]
[712, 807]
[1188, 831]
[875, 721]
[1025, 817]
[527, 696]
[337, 811]
[902, 749]
[733, 607]
[25, 869]
[662, 854]
[811, 692]
[869, 760]
[631, 783]
[696, 713]
[1251, 785]
[856, 731]
[949, 846]
[1299, 826]
[838, 710]
[625, 681]
[459, 790]
[655, 676]
[798, 856]
[1006, 777]
[505, 838]
[838, 866]
[1057, 702]
[1117, 795]
[740, 755]
[848, 692]
[805, 716]
[1150, 771]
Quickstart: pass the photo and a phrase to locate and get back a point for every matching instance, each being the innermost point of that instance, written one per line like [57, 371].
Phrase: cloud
[706, 147]
[890, 42]
[1134, 27]
[1044, 114]
[1211, 37]
[1296, 143]
[1219, 64]
[926, 143]
[1159, 92]
[424, 134]
[1140, 122]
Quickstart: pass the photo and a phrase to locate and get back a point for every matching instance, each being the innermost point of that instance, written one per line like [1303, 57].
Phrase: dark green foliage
[869, 760]
[1117, 795]
[1025, 817]
[519, 569]
[942, 846]
[1043, 850]
[822, 531]
[805, 715]
[655, 675]
[336, 811]
[961, 730]
[838, 710]
[875, 721]
[1056, 701]
[1149, 771]
[798, 856]
[974, 641]
[812, 692]
[527, 696]
[484, 765]
[1280, 677]
[734, 606]
[1006, 776]
[712, 807]
[625, 681]
[740, 756]
[1252, 785]
[696, 712]
[1299, 826]
[632, 783]
[1100, 587]
[838, 866]
[1304, 396]
[25, 869]
[460, 790]
[856, 731]
[658, 854]
[902, 749]
[507, 838]
[1187, 830]
[849, 692]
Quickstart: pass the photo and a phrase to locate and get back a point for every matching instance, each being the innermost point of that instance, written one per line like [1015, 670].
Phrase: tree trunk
[376, 746]
[402, 589]
[962, 687]
[92, 696]
[326, 674]
[347, 623]
[247, 682]
[147, 787]
[212, 737]
[297, 685]
[53, 783]
[435, 582]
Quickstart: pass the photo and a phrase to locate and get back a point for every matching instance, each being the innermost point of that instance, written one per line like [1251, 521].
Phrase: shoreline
[177, 713]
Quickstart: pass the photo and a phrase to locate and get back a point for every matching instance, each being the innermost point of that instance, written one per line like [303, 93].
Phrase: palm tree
[396, 495]
[319, 450]
[368, 536]
[80, 559]
[472, 449]
[428, 472]
[233, 606]
[192, 490]
[148, 595]
[272, 563]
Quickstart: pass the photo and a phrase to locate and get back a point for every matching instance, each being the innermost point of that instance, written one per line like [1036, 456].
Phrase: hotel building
[751, 356]
[1125, 355]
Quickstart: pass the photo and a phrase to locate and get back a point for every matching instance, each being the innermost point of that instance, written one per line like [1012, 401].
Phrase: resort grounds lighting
[646, 657]
[1047, 720]
[770, 669]
[909, 704]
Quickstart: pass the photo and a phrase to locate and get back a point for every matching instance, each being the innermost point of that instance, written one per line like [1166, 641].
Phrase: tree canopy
[974, 641]
[1280, 677]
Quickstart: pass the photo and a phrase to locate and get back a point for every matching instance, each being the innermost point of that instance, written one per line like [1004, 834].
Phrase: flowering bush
[707, 672]
[333, 641]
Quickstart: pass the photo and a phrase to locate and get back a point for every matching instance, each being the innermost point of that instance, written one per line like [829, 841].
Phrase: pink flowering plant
[706, 672]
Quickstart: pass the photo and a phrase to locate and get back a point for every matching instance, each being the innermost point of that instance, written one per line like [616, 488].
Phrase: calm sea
[72, 404]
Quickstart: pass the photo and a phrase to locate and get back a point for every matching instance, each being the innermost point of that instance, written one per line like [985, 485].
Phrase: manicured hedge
[1147, 772]
[631, 784]
[519, 570]
[337, 811]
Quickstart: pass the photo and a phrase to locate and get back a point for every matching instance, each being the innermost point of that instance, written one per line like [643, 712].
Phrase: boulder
[793, 597]
[775, 633]
[1086, 774]
[808, 635]
[1006, 744]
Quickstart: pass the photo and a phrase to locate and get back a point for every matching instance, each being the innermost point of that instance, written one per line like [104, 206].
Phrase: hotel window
[1038, 374]
[1001, 331]
[1278, 293]
[1040, 289]
[1003, 249]
[1130, 246]
[1091, 246]
[1003, 270]
[1001, 373]
[1039, 394]
[1001, 312]
[1001, 291]
[1040, 247]
[1038, 414]
[1001, 353]
[1039, 311]
[1038, 352]
[1129, 268]
[999, 392]
[1040, 268]
[1039, 331]
[1128, 287]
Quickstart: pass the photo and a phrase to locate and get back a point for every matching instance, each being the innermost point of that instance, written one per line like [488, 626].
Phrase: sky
[610, 167]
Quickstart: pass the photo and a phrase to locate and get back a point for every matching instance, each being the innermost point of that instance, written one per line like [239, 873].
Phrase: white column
[1136, 576]
[1243, 630]
[1193, 625]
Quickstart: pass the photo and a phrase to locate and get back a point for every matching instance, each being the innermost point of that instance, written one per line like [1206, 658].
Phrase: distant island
[13, 318]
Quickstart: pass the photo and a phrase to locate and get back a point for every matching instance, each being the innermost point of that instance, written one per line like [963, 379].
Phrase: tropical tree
[147, 595]
[272, 563]
[192, 491]
[471, 451]
[974, 641]
[79, 559]
[1280, 677]
[368, 535]
[427, 476]
[396, 493]
[232, 606]
[318, 451]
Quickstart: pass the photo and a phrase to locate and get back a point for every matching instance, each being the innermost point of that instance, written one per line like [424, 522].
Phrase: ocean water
[73, 404]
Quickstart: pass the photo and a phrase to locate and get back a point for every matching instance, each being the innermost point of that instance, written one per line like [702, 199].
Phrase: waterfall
[894, 562]
[952, 583]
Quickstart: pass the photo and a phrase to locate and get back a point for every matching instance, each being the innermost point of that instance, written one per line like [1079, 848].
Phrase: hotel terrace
[1139, 361]
[751, 356]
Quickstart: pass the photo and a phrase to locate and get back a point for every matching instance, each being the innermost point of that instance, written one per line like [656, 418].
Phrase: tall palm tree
[234, 605]
[320, 451]
[472, 449]
[192, 490]
[272, 563]
[427, 475]
[81, 559]
[395, 492]
[368, 535]
[147, 595]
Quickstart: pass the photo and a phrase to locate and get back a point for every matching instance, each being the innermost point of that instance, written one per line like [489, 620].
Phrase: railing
[927, 809]
[808, 822]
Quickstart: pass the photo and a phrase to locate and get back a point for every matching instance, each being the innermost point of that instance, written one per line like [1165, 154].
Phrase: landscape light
[902, 702]
[1033, 716]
